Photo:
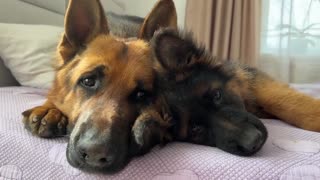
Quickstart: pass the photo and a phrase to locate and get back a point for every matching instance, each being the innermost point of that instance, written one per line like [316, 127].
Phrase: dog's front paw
[144, 135]
[46, 122]
[148, 130]
[142, 132]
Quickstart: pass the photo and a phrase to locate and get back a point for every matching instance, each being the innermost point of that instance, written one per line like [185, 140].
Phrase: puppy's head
[208, 94]
[103, 83]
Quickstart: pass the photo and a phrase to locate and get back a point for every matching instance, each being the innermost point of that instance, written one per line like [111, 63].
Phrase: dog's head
[208, 94]
[103, 83]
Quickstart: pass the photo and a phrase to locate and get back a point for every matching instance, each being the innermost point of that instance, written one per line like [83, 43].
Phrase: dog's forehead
[127, 62]
[199, 81]
[110, 48]
[204, 86]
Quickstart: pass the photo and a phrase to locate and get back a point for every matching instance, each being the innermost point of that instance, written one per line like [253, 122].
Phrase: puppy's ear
[175, 51]
[162, 15]
[84, 21]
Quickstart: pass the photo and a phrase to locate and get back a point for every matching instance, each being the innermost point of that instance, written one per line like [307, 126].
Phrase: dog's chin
[114, 167]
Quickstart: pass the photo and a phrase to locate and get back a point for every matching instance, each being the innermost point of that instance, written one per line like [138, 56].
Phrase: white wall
[142, 7]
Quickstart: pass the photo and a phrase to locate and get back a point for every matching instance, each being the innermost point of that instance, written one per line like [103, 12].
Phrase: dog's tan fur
[127, 60]
[286, 103]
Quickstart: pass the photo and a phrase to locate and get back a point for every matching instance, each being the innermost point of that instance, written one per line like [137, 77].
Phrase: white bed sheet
[289, 153]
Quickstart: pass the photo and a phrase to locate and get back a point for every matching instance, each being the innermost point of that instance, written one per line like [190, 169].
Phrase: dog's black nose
[102, 149]
[251, 140]
[93, 154]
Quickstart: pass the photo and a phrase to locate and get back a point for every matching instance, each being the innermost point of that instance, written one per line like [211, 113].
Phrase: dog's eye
[141, 95]
[216, 95]
[90, 82]
[213, 96]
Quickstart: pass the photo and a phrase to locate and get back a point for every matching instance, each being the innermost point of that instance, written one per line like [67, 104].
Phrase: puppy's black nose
[251, 140]
[93, 154]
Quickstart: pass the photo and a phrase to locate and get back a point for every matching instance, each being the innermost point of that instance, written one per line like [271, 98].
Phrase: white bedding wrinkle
[23, 156]
[297, 145]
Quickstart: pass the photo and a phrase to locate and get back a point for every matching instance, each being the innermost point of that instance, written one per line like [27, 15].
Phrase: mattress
[289, 153]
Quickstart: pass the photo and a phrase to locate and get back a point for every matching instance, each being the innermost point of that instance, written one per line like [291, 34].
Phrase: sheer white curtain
[290, 40]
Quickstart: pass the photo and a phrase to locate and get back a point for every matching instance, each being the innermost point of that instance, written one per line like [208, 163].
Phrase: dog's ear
[175, 51]
[84, 21]
[162, 15]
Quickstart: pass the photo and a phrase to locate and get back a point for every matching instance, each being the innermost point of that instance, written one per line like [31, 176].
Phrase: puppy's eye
[141, 95]
[90, 82]
[216, 95]
[213, 96]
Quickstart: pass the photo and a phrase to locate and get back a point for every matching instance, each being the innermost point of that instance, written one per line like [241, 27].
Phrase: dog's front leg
[45, 121]
[149, 129]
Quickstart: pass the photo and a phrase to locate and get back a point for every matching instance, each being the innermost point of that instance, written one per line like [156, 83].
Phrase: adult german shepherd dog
[103, 85]
[119, 97]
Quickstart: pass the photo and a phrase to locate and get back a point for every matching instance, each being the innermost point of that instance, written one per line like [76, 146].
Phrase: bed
[289, 153]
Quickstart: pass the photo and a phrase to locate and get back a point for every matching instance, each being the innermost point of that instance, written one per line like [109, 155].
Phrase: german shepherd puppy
[217, 103]
[103, 85]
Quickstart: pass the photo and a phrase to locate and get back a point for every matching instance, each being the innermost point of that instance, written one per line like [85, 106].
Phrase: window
[290, 40]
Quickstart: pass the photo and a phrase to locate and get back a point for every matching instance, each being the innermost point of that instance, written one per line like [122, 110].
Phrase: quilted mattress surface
[289, 153]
